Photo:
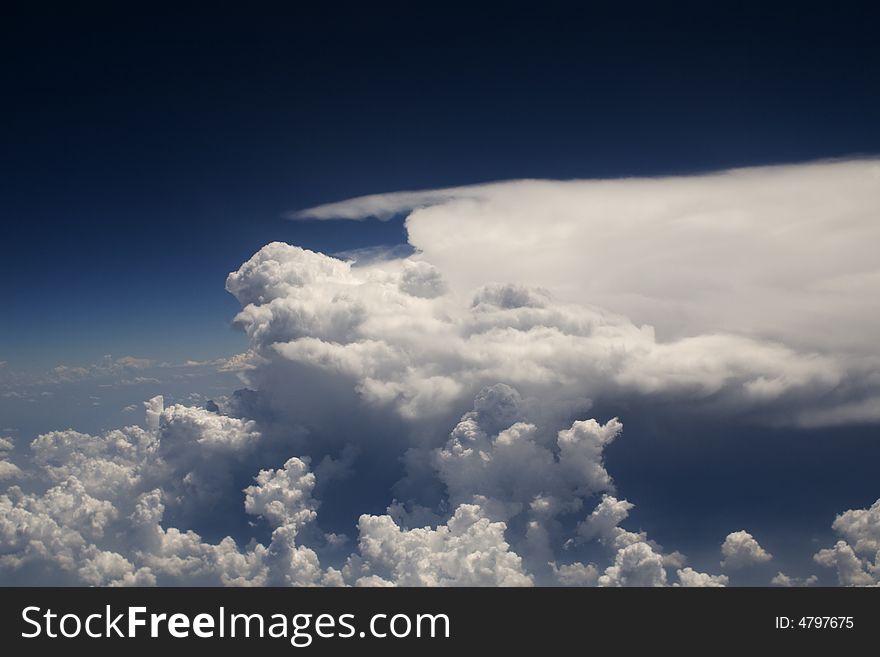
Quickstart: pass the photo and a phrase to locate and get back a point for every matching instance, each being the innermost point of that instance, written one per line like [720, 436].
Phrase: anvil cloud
[462, 386]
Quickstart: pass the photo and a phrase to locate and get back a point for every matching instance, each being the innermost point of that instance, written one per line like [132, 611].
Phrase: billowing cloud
[740, 549]
[425, 355]
[469, 550]
[860, 528]
[487, 451]
[785, 581]
[283, 496]
[856, 557]
[635, 565]
[778, 254]
[691, 578]
[8, 470]
[603, 523]
[461, 387]
[577, 574]
[99, 517]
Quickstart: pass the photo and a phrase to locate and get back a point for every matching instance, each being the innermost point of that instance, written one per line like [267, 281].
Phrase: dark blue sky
[147, 155]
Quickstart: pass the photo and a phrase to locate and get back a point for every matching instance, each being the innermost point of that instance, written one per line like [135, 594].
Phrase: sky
[554, 215]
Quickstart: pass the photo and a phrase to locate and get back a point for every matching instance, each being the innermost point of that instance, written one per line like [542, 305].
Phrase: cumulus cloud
[785, 581]
[852, 570]
[461, 384]
[99, 518]
[860, 528]
[469, 550]
[99, 514]
[283, 496]
[689, 577]
[740, 549]
[577, 574]
[483, 459]
[603, 523]
[635, 565]
[8, 470]
[856, 557]
[423, 352]
[771, 253]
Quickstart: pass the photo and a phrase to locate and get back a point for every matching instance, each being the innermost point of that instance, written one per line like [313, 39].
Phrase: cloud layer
[436, 419]
[780, 254]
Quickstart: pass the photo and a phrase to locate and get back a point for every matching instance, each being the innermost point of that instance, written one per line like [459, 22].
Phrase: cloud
[860, 528]
[740, 549]
[108, 367]
[851, 569]
[426, 354]
[99, 512]
[864, 411]
[856, 558]
[487, 451]
[577, 574]
[283, 496]
[774, 254]
[689, 577]
[98, 519]
[603, 523]
[186, 425]
[469, 550]
[635, 565]
[385, 206]
[783, 580]
[462, 386]
[241, 362]
[8, 470]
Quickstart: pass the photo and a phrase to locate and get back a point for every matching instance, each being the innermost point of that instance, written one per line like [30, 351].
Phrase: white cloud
[469, 550]
[783, 580]
[524, 305]
[424, 355]
[492, 455]
[98, 520]
[857, 557]
[283, 496]
[636, 564]
[707, 227]
[57, 528]
[775, 254]
[691, 578]
[602, 523]
[249, 360]
[9, 470]
[385, 206]
[577, 574]
[740, 549]
[860, 528]
[851, 570]
[185, 425]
